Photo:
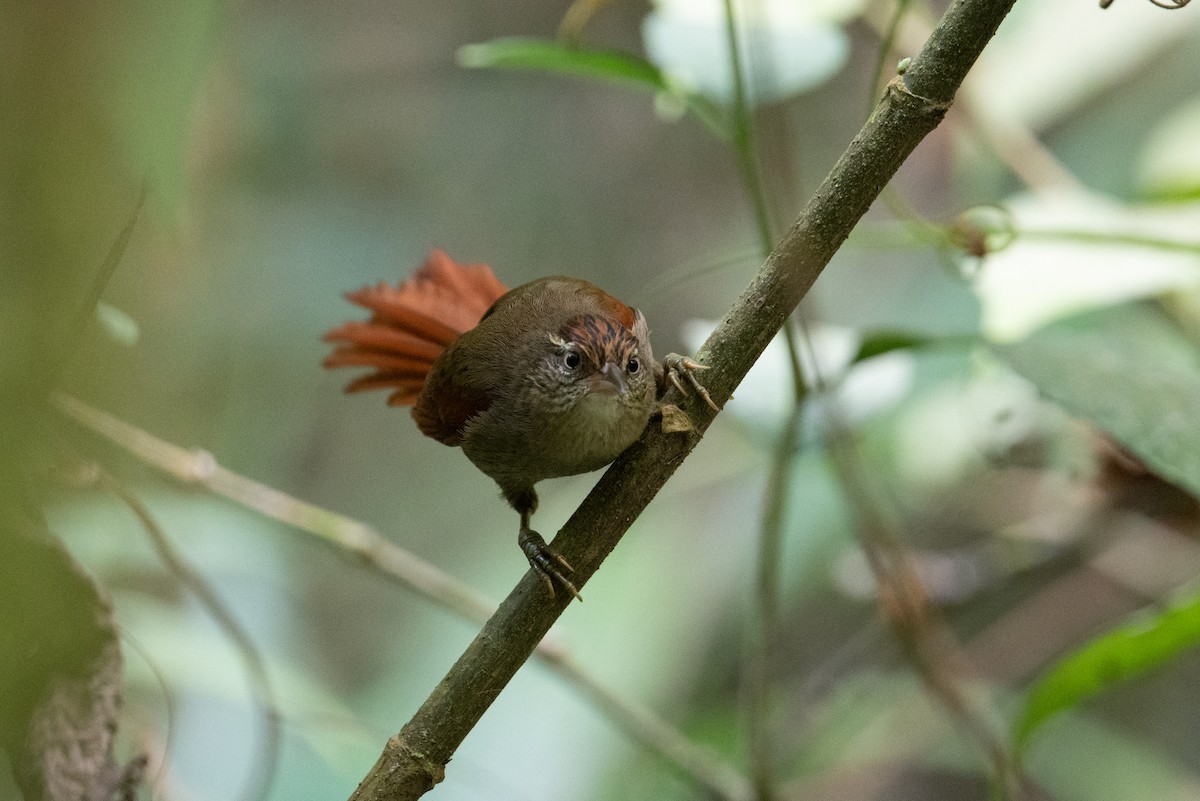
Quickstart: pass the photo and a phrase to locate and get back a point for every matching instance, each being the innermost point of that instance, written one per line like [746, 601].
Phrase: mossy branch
[414, 760]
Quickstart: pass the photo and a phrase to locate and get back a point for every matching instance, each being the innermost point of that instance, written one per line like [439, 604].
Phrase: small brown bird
[553, 378]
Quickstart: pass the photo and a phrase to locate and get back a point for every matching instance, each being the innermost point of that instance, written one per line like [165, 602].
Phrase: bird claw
[547, 562]
[678, 367]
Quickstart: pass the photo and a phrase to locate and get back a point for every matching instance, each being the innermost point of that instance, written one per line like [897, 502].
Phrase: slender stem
[1110, 238]
[924, 639]
[1011, 140]
[745, 146]
[83, 314]
[765, 635]
[886, 43]
[765, 638]
[348, 535]
[266, 762]
[743, 133]
[694, 763]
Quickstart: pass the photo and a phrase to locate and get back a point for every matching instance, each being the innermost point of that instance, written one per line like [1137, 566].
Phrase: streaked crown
[600, 340]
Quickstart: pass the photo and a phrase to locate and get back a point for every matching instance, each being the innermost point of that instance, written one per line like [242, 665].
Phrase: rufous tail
[411, 324]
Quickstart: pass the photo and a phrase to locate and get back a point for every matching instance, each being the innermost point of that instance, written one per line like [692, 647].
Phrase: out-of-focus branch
[265, 763]
[927, 644]
[1015, 145]
[763, 640]
[197, 467]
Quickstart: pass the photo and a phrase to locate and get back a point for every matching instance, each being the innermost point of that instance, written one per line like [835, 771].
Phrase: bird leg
[545, 561]
[681, 372]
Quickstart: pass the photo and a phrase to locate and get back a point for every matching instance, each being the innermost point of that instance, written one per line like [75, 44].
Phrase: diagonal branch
[414, 760]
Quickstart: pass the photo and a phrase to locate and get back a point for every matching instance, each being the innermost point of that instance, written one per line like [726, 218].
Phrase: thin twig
[763, 641]
[887, 41]
[924, 638]
[1013, 142]
[79, 321]
[265, 764]
[743, 133]
[160, 772]
[198, 467]
[1108, 238]
[762, 735]
[903, 602]
[693, 763]
[722, 781]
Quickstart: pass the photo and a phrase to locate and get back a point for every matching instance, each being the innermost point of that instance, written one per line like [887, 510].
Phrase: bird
[555, 377]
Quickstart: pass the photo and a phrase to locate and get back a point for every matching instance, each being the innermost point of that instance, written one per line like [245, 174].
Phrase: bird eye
[633, 365]
[571, 360]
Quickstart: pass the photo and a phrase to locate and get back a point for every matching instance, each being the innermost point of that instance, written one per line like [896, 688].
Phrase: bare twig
[265, 764]
[1014, 143]
[762, 735]
[765, 628]
[887, 42]
[199, 467]
[112, 259]
[721, 780]
[1110, 238]
[927, 643]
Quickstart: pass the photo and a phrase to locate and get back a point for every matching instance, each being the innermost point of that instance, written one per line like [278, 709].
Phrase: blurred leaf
[117, 324]
[614, 66]
[878, 343]
[1170, 161]
[1109, 660]
[1099, 58]
[1130, 372]
[95, 104]
[550, 56]
[1074, 252]
[881, 342]
[786, 47]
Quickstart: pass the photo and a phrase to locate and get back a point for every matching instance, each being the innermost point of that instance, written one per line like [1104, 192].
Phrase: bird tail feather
[412, 324]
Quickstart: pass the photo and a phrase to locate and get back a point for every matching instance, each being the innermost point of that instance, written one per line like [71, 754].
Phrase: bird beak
[612, 373]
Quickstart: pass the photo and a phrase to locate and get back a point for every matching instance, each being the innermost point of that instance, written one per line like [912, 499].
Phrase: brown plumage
[553, 378]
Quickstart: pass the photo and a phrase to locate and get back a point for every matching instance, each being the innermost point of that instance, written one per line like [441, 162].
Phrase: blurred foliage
[1119, 656]
[1026, 414]
[606, 65]
[1132, 373]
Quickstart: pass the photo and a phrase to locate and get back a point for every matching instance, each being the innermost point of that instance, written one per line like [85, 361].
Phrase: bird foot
[546, 562]
[681, 372]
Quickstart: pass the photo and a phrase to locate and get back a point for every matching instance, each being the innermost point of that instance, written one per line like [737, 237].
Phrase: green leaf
[1169, 166]
[613, 66]
[550, 56]
[1131, 372]
[878, 343]
[1118, 656]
